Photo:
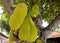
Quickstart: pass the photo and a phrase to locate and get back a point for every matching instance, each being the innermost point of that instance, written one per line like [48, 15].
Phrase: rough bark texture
[51, 27]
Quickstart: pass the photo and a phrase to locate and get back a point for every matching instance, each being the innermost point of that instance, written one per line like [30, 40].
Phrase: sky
[1, 11]
[45, 23]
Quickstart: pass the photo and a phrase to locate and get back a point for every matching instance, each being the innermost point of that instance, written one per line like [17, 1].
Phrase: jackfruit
[11, 37]
[35, 10]
[39, 41]
[33, 33]
[24, 31]
[18, 16]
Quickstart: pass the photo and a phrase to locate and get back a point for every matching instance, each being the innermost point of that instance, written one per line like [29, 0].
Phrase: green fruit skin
[33, 33]
[35, 10]
[18, 16]
[11, 37]
[24, 31]
[39, 41]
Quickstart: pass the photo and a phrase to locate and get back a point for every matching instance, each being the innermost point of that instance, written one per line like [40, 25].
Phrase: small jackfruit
[11, 37]
[35, 10]
[24, 31]
[33, 33]
[18, 16]
[39, 41]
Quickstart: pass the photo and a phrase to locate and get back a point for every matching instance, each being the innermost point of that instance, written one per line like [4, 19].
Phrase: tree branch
[7, 6]
[51, 27]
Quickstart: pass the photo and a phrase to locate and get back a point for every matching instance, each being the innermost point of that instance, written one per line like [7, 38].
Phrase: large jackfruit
[18, 16]
[35, 10]
[11, 37]
[24, 31]
[33, 33]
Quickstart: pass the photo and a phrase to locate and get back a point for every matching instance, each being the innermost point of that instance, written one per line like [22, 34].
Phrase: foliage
[49, 8]
[4, 20]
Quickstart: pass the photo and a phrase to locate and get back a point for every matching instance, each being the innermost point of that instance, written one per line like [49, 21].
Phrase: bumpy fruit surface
[35, 10]
[18, 16]
[33, 33]
[11, 36]
[24, 31]
[39, 41]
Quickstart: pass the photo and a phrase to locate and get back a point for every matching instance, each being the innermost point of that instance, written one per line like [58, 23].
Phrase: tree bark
[51, 27]
[7, 6]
